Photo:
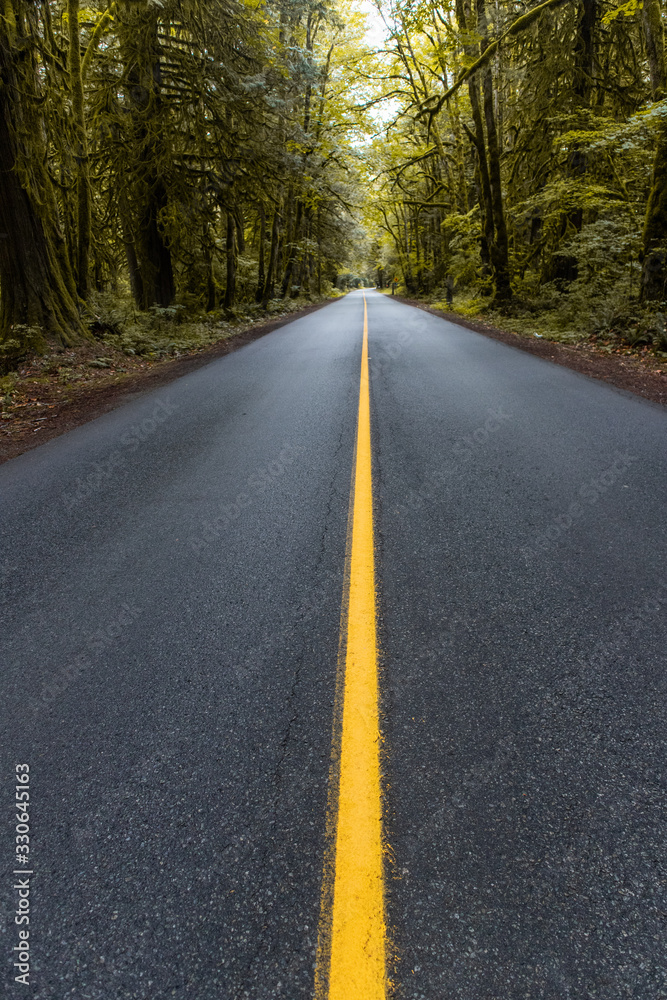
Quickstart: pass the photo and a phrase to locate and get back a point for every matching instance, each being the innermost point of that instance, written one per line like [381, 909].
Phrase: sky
[376, 28]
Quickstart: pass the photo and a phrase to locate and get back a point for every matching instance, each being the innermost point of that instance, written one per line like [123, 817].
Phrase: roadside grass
[173, 331]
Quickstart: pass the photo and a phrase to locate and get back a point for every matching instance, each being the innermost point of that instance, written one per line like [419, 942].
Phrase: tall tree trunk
[37, 291]
[418, 258]
[230, 289]
[240, 230]
[155, 256]
[210, 286]
[140, 46]
[655, 46]
[293, 250]
[83, 221]
[273, 257]
[500, 247]
[564, 267]
[261, 276]
[584, 51]
[319, 252]
[136, 284]
[207, 251]
[464, 17]
[654, 264]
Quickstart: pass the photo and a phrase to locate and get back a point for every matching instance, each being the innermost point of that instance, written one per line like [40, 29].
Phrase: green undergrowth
[161, 332]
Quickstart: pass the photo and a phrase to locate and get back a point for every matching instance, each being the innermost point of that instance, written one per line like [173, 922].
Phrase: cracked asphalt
[171, 585]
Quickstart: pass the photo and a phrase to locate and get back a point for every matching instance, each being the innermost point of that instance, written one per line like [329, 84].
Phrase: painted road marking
[353, 937]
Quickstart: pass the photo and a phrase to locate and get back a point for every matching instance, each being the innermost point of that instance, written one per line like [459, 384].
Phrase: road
[172, 577]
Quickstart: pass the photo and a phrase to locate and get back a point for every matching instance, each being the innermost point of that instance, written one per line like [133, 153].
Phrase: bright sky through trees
[376, 31]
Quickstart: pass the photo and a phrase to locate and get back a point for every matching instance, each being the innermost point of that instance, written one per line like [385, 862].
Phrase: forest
[169, 161]
[524, 171]
[186, 155]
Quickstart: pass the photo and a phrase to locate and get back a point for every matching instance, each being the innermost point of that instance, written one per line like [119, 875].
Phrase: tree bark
[499, 248]
[261, 276]
[207, 250]
[269, 287]
[37, 291]
[136, 284]
[584, 51]
[230, 289]
[464, 17]
[83, 221]
[293, 250]
[655, 46]
[319, 250]
[147, 191]
[654, 263]
[155, 256]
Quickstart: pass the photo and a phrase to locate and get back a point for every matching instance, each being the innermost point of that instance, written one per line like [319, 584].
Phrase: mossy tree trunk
[261, 270]
[37, 292]
[500, 245]
[293, 251]
[494, 242]
[584, 51]
[230, 289]
[499, 248]
[276, 228]
[147, 188]
[654, 264]
[83, 222]
[464, 18]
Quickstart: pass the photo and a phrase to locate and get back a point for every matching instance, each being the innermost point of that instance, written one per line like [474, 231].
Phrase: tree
[654, 266]
[38, 296]
[518, 138]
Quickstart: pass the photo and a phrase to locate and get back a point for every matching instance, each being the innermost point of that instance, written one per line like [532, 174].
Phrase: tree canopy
[526, 153]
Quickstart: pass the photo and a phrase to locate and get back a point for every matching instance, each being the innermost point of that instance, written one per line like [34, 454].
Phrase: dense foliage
[524, 164]
[193, 152]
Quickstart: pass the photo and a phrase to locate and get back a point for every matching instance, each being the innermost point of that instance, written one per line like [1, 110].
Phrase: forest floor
[54, 392]
[639, 370]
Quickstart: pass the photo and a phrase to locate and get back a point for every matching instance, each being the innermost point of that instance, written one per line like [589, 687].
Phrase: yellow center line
[352, 948]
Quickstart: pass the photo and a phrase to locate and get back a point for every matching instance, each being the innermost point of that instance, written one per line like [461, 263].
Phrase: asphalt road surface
[172, 576]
